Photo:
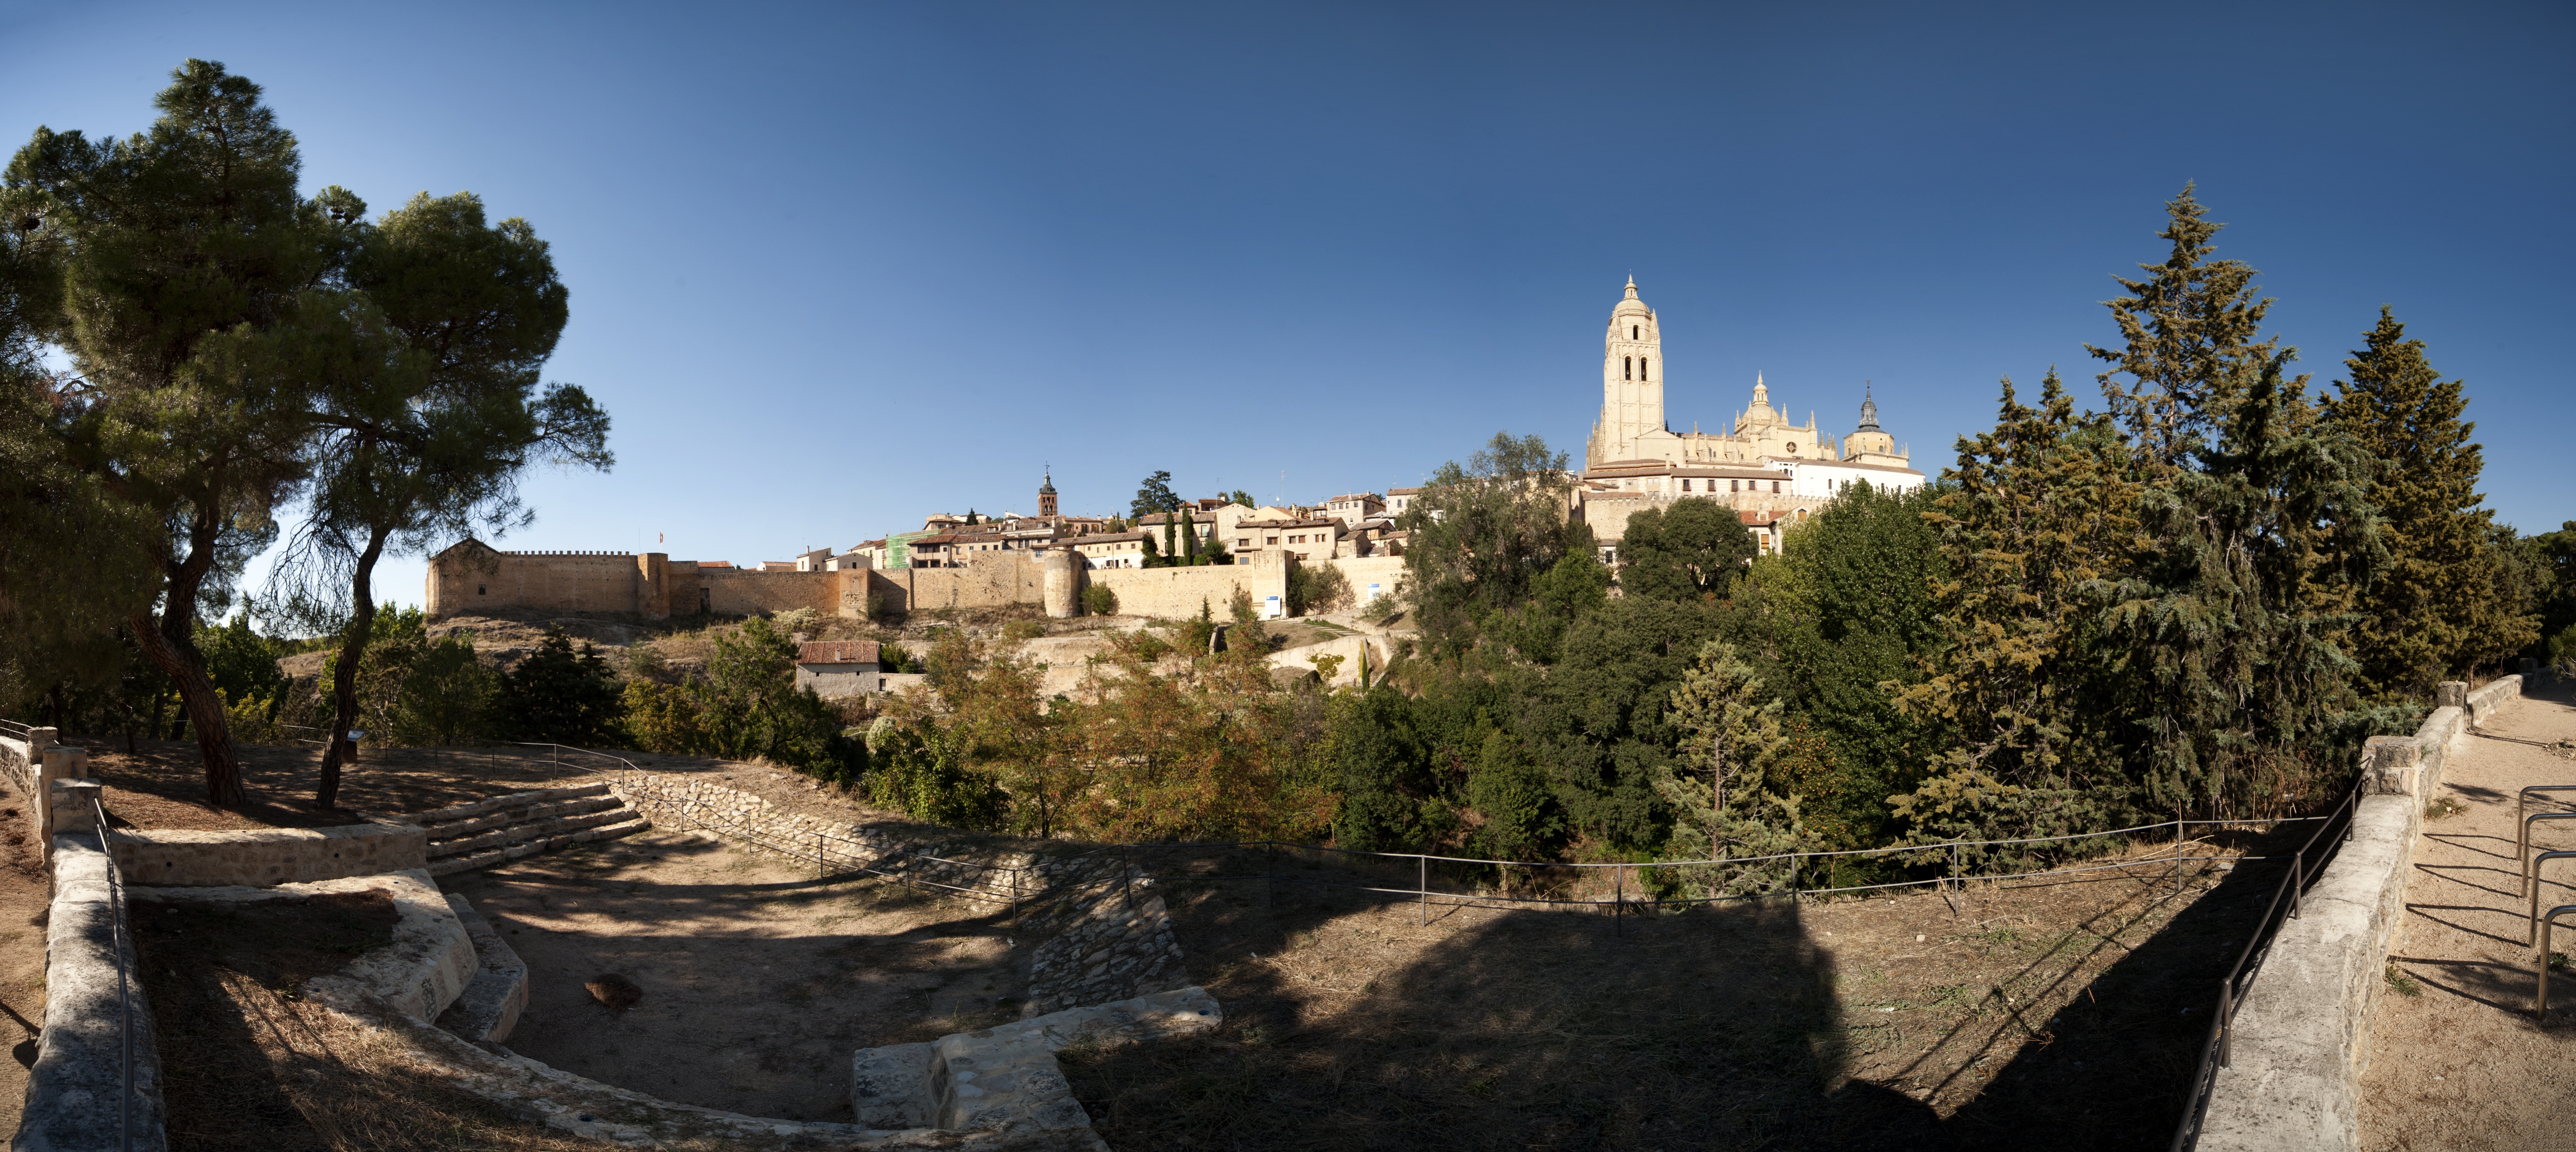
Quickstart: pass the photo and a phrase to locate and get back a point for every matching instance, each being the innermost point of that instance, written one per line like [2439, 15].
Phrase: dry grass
[2066, 1013]
[248, 1065]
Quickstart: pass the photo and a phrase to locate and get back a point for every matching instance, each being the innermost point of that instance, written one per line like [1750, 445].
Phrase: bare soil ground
[249, 1067]
[759, 981]
[2058, 1014]
[2456, 1059]
[25, 891]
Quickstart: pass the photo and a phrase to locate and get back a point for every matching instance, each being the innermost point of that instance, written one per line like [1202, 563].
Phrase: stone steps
[482, 833]
[502, 855]
[489, 1007]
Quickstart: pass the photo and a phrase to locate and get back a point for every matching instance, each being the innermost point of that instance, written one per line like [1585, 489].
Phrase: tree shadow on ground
[1519, 1029]
[1715, 1028]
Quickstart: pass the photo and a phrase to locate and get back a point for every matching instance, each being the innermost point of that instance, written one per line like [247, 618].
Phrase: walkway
[2455, 1059]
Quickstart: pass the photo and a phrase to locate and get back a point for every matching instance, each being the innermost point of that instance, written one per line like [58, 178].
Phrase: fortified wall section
[1177, 593]
[472, 578]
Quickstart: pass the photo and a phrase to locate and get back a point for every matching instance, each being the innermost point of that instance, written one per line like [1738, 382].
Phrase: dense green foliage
[237, 348]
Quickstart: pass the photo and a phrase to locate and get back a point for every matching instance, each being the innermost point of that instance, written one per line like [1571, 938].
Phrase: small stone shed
[836, 668]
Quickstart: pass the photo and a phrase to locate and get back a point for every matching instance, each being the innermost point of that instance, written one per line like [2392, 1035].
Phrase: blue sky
[833, 267]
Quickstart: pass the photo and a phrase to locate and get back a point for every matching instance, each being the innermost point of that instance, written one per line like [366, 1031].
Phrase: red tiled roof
[837, 652]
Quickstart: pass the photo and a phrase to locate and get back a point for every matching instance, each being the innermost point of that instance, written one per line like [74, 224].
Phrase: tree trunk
[171, 644]
[338, 748]
[203, 707]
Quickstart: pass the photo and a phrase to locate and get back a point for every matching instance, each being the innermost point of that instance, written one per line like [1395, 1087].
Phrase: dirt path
[24, 893]
[2456, 1060]
[759, 983]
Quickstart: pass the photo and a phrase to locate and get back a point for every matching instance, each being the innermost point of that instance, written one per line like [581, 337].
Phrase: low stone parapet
[2292, 1079]
[266, 857]
[96, 1021]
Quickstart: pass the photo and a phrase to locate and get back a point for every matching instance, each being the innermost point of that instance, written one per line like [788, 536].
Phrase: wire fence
[120, 947]
[2305, 865]
[1634, 887]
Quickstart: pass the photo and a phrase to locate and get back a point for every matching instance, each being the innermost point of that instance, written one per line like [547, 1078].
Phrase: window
[1775, 487]
[1641, 369]
[1685, 484]
[1735, 485]
[478, 590]
[1243, 541]
[1627, 368]
[1269, 539]
[1632, 331]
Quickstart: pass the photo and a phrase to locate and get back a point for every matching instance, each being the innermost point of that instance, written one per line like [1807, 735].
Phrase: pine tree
[2041, 509]
[2254, 537]
[2436, 611]
[1732, 733]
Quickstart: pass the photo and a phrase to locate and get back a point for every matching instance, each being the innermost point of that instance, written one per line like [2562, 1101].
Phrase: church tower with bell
[1046, 494]
[1632, 383]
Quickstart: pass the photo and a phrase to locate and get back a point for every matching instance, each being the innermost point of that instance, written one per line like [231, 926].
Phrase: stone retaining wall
[1102, 936]
[76, 1098]
[2293, 1079]
[264, 857]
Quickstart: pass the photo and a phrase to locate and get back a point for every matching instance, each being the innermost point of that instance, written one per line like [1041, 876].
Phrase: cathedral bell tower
[1046, 495]
[1632, 382]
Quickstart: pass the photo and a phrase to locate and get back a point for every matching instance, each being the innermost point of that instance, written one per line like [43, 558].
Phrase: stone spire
[1868, 409]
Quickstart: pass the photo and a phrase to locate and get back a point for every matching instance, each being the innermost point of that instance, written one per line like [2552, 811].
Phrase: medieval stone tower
[1046, 495]
[1632, 382]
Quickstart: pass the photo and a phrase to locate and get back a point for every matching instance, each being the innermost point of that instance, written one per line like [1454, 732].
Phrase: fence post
[2226, 1020]
[2298, 879]
[1618, 899]
[818, 854]
[1422, 886]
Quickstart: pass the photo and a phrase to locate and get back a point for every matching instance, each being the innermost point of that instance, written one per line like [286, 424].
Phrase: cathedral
[1632, 429]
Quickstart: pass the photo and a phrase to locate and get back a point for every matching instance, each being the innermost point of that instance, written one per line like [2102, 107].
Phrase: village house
[1352, 507]
[1110, 549]
[1307, 537]
[838, 668]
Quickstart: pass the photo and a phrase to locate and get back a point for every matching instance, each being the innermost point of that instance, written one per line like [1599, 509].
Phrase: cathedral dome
[1631, 306]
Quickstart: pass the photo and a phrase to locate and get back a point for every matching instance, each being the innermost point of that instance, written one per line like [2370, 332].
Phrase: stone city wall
[2300, 1037]
[1177, 593]
[745, 592]
[469, 579]
[265, 857]
[1387, 572]
[988, 580]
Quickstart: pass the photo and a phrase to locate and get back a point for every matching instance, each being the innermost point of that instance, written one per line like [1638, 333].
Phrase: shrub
[1317, 588]
[1098, 600]
[560, 696]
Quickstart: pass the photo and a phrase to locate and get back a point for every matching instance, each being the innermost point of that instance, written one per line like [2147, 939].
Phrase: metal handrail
[2218, 1050]
[2540, 1003]
[2531, 931]
[124, 993]
[2522, 842]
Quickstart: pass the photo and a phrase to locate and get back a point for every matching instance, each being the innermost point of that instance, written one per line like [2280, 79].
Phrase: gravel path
[2455, 1059]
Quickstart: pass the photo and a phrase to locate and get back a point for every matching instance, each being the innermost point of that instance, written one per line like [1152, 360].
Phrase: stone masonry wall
[1102, 935]
[1177, 593]
[267, 856]
[988, 580]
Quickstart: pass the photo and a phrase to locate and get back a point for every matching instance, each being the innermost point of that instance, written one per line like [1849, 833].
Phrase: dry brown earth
[2456, 1060]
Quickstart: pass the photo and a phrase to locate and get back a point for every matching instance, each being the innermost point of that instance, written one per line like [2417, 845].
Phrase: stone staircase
[463, 837]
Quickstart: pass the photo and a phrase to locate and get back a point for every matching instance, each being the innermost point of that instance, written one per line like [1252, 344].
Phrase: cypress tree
[1189, 553]
[2437, 610]
[2254, 537]
[2040, 509]
[1171, 555]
